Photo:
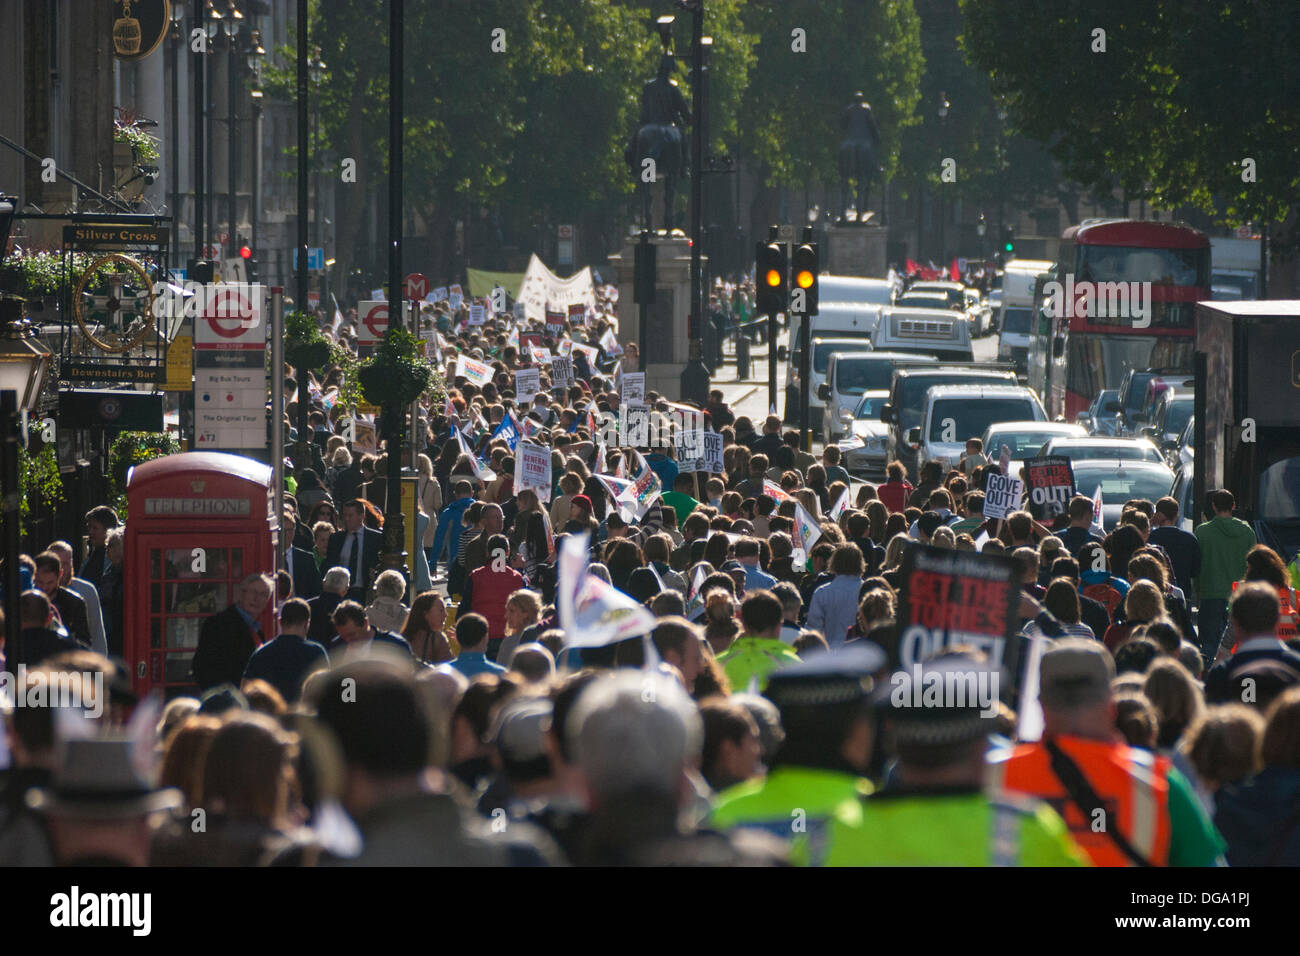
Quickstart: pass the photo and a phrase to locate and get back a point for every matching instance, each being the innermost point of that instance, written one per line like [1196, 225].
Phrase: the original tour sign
[958, 597]
[139, 26]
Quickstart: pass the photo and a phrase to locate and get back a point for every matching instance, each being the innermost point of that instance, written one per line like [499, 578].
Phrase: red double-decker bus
[1088, 346]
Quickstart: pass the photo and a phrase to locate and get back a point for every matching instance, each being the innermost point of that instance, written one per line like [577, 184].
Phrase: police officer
[935, 810]
[827, 718]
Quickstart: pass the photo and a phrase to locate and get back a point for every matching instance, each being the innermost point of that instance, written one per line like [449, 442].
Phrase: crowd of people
[763, 719]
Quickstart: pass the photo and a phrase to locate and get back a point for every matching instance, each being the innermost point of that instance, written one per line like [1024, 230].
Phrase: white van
[850, 375]
[929, 331]
[823, 349]
[956, 413]
[1016, 312]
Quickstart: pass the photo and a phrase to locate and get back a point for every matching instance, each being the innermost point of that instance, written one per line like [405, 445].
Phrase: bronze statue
[858, 154]
[664, 113]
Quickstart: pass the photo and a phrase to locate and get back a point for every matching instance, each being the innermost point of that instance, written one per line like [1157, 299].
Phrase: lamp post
[943, 123]
[317, 70]
[173, 130]
[302, 449]
[695, 377]
[24, 364]
[231, 25]
[256, 55]
[980, 229]
[1002, 146]
[213, 27]
[393, 555]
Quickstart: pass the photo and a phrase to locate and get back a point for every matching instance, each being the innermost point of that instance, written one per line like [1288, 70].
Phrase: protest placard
[475, 371]
[555, 323]
[561, 371]
[1002, 495]
[711, 460]
[533, 469]
[950, 597]
[541, 356]
[1051, 485]
[633, 387]
[477, 315]
[528, 382]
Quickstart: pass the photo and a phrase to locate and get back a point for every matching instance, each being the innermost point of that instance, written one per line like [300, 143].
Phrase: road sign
[180, 364]
[211, 252]
[229, 409]
[315, 259]
[417, 287]
[372, 322]
[232, 319]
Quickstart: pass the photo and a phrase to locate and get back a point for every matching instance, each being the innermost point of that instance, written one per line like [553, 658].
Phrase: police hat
[942, 702]
[828, 678]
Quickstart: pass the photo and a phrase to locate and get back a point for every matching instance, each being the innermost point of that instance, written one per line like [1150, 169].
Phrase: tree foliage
[1181, 96]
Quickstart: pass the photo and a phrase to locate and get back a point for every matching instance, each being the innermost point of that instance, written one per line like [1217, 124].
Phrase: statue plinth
[858, 250]
[666, 347]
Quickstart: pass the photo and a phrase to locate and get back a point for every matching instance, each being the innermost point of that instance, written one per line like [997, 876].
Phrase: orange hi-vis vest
[1133, 786]
[1286, 614]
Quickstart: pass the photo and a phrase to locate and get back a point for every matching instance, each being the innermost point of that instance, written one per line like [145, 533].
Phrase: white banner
[541, 287]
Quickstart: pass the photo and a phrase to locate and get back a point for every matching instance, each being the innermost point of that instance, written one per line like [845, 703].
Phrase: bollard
[742, 356]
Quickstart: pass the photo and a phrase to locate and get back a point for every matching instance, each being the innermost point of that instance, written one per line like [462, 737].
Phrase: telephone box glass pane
[197, 597]
[156, 599]
[236, 564]
[183, 632]
[155, 632]
[177, 668]
[155, 564]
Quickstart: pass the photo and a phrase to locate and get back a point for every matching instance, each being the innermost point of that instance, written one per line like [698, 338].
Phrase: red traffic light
[245, 252]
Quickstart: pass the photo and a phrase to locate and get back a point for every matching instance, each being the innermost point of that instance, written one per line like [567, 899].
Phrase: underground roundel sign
[373, 322]
[231, 319]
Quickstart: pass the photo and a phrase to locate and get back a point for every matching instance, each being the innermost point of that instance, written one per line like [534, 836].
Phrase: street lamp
[318, 72]
[24, 361]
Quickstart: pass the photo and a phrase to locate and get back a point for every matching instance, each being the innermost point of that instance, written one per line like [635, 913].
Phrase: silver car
[866, 446]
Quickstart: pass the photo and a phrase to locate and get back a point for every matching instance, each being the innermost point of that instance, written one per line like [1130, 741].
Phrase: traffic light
[803, 277]
[250, 264]
[770, 271]
[1009, 241]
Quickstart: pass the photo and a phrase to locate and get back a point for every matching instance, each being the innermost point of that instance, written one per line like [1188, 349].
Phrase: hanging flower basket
[396, 374]
[304, 345]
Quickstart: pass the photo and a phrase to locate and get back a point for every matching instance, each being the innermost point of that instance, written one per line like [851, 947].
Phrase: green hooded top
[1224, 543]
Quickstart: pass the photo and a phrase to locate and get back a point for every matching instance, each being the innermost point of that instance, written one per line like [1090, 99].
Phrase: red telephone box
[198, 523]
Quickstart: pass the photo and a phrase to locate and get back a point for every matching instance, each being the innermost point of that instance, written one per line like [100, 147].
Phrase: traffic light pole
[805, 383]
[771, 360]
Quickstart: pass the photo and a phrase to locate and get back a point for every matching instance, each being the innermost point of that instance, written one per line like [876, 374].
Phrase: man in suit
[290, 658]
[357, 638]
[71, 608]
[228, 638]
[356, 548]
[334, 590]
[299, 563]
[99, 522]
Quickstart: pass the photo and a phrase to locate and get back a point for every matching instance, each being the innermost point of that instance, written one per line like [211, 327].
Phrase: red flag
[954, 272]
[912, 267]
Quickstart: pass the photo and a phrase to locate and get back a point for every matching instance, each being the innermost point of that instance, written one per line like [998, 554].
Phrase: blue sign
[315, 258]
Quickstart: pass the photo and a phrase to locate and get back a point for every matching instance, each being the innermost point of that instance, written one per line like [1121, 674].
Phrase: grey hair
[256, 578]
[635, 731]
[598, 570]
[337, 581]
[391, 584]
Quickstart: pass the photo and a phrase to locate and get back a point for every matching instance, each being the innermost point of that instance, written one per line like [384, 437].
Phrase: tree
[789, 120]
[1168, 103]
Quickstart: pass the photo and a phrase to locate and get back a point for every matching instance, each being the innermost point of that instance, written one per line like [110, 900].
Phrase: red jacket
[894, 494]
[486, 594]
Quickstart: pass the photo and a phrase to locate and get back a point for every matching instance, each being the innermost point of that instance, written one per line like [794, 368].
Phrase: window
[971, 417]
[862, 375]
[181, 599]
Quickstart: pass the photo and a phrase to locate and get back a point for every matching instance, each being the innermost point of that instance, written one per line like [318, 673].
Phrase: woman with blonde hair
[429, 493]
[523, 623]
[1142, 605]
[184, 752]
